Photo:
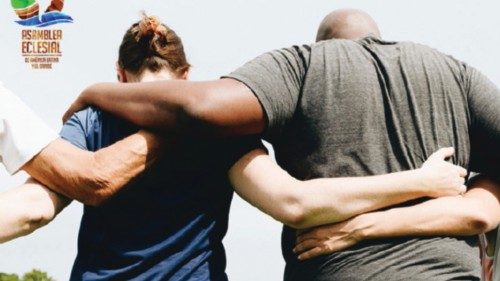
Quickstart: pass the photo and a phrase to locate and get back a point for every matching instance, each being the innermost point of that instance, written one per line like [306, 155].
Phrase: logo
[40, 47]
[28, 12]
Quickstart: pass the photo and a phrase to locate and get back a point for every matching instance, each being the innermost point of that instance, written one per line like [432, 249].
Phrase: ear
[121, 75]
[185, 75]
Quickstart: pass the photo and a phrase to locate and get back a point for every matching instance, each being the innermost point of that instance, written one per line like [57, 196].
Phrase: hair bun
[150, 26]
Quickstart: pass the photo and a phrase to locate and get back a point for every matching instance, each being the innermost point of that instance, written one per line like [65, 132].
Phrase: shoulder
[89, 113]
[80, 129]
[294, 55]
[86, 117]
[431, 56]
[83, 121]
[427, 50]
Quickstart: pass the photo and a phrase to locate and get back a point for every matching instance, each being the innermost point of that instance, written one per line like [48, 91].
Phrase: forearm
[442, 216]
[153, 104]
[92, 178]
[214, 108]
[337, 199]
[476, 212]
[27, 208]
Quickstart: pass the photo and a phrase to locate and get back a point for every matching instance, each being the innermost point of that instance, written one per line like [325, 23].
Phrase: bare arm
[476, 212]
[301, 204]
[215, 108]
[93, 177]
[26, 208]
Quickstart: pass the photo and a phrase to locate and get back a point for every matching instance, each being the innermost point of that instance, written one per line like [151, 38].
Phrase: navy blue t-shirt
[168, 224]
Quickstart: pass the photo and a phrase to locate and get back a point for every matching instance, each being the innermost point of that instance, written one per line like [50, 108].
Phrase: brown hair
[151, 45]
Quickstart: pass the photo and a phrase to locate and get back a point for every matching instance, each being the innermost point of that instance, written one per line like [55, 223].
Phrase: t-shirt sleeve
[484, 107]
[73, 131]
[22, 133]
[276, 79]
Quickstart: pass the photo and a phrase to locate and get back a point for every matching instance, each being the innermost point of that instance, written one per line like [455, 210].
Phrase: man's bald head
[347, 24]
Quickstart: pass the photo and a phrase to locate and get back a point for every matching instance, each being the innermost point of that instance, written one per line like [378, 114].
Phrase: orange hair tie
[150, 25]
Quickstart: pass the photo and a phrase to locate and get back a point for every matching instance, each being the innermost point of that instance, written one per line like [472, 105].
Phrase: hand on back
[440, 177]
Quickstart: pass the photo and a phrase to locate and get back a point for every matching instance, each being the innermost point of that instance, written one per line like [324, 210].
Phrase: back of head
[347, 24]
[152, 45]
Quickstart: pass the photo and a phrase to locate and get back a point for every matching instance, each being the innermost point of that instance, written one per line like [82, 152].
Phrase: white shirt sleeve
[22, 133]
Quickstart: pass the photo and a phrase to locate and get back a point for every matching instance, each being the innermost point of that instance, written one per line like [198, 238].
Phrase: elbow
[35, 219]
[481, 222]
[94, 200]
[27, 221]
[98, 189]
[301, 211]
[294, 216]
[294, 213]
[38, 214]
[98, 194]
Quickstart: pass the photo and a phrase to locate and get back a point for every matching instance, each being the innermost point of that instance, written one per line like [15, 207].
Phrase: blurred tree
[34, 275]
[9, 277]
[37, 275]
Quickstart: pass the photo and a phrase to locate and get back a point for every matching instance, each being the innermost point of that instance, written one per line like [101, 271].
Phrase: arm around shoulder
[224, 107]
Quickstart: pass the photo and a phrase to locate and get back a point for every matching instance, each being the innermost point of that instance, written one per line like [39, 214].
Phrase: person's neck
[149, 76]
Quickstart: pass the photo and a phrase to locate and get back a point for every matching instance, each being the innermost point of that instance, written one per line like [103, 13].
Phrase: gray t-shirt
[355, 108]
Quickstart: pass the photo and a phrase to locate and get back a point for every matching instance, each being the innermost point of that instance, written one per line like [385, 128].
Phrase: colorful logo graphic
[28, 12]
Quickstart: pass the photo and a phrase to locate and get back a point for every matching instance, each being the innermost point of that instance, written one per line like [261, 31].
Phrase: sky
[219, 36]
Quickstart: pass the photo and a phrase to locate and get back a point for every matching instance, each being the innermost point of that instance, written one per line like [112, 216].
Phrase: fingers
[306, 245]
[461, 171]
[312, 234]
[301, 232]
[463, 189]
[458, 170]
[310, 248]
[315, 252]
[313, 248]
[322, 241]
[443, 153]
[313, 245]
[460, 181]
[460, 186]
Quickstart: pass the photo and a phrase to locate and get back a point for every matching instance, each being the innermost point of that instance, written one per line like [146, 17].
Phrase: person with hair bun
[169, 224]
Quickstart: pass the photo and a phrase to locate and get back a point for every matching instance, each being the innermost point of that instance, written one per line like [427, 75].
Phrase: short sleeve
[484, 107]
[276, 79]
[73, 131]
[22, 133]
